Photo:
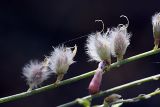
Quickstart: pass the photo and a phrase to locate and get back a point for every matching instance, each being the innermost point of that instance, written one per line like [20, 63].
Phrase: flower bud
[156, 29]
[95, 83]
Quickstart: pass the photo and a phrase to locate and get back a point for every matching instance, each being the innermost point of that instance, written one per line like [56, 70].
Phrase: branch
[115, 89]
[76, 78]
[138, 98]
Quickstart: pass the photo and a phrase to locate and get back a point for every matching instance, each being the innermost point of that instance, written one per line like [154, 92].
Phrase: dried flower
[156, 29]
[60, 60]
[120, 40]
[95, 83]
[35, 72]
[98, 47]
[110, 100]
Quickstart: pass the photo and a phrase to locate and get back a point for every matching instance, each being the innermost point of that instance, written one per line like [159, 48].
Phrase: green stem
[155, 47]
[119, 57]
[156, 44]
[115, 89]
[30, 89]
[138, 98]
[76, 78]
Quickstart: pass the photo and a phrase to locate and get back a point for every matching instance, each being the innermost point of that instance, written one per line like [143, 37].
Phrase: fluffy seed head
[35, 73]
[98, 47]
[61, 58]
[120, 40]
[156, 25]
[156, 29]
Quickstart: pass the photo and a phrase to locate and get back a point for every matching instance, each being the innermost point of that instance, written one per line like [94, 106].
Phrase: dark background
[29, 29]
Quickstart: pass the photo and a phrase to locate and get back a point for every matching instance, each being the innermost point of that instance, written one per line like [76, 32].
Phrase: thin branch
[138, 98]
[76, 78]
[122, 101]
[115, 89]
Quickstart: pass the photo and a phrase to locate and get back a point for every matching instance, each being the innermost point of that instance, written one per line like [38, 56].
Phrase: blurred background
[29, 29]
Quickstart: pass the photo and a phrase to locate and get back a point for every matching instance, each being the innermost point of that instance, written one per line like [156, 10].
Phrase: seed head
[120, 40]
[35, 73]
[61, 58]
[156, 29]
[98, 47]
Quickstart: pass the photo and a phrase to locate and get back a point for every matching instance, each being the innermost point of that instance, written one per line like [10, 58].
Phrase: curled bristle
[102, 24]
[123, 16]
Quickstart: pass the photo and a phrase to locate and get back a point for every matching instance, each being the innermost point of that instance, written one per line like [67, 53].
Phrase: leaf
[84, 102]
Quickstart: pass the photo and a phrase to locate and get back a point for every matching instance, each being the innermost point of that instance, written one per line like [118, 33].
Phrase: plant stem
[138, 98]
[76, 78]
[115, 89]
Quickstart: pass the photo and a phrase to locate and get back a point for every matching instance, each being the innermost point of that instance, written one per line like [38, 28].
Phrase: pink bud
[96, 82]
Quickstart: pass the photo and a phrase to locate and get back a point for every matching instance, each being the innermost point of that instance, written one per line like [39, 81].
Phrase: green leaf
[84, 102]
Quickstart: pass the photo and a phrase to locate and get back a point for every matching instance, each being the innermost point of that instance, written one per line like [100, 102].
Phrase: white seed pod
[35, 73]
[120, 40]
[61, 58]
[156, 29]
[156, 24]
[98, 47]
